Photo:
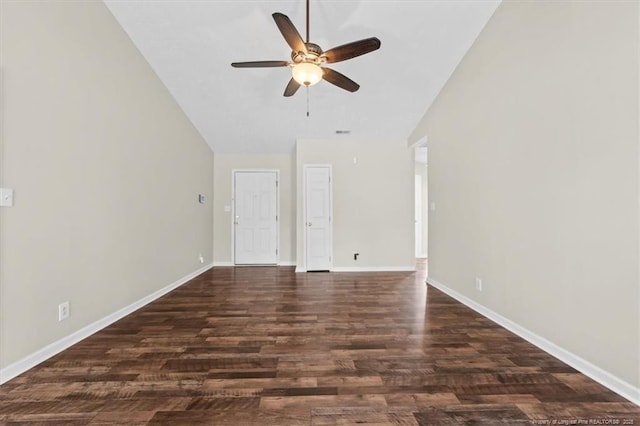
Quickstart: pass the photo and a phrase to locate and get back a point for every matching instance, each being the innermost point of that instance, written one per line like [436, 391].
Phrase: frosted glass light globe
[306, 73]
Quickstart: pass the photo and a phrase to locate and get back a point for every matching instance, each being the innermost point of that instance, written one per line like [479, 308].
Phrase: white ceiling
[191, 43]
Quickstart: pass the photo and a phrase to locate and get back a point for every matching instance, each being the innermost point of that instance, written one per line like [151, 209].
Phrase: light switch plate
[227, 209]
[6, 197]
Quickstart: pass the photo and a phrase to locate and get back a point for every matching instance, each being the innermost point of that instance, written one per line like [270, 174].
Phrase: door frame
[304, 212]
[233, 210]
[425, 201]
[417, 213]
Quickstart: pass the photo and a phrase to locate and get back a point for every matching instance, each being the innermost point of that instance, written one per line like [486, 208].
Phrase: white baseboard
[227, 264]
[374, 269]
[222, 264]
[601, 376]
[366, 269]
[54, 348]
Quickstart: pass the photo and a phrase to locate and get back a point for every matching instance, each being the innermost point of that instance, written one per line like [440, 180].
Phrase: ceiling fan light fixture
[306, 73]
[308, 59]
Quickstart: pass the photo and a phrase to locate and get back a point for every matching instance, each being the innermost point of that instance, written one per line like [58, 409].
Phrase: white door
[318, 232]
[256, 217]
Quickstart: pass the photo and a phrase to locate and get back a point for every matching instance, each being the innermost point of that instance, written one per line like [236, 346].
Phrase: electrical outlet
[6, 197]
[478, 284]
[355, 256]
[200, 258]
[63, 311]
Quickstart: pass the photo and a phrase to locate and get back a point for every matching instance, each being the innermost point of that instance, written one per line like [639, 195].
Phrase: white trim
[419, 143]
[222, 264]
[281, 263]
[601, 376]
[300, 269]
[233, 209]
[373, 269]
[30, 361]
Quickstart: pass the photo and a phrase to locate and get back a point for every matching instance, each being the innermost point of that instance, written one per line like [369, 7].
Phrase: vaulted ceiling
[190, 45]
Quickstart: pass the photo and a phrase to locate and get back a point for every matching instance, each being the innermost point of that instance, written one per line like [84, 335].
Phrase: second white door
[318, 229]
[256, 217]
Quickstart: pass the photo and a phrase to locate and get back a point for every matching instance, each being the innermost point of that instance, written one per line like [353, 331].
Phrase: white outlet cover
[63, 311]
[6, 197]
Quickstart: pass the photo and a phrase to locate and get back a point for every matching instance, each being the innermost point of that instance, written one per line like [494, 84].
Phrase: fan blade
[351, 50]
[340, 80]
[289, 32]
[260, 64]
[292, 88]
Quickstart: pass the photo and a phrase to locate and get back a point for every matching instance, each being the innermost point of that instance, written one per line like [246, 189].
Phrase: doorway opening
[421, 192]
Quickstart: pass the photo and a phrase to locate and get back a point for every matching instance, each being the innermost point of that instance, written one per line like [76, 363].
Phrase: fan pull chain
[307, 101]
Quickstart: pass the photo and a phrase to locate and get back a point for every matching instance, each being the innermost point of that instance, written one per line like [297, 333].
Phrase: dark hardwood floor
[266, 346]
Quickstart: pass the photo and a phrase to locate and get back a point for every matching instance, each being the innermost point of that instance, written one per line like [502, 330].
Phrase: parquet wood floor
[266, 346]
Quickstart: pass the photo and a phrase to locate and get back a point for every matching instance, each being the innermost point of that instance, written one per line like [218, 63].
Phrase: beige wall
[533, 166]
[224, 166]
[372, 201]
[106, 170]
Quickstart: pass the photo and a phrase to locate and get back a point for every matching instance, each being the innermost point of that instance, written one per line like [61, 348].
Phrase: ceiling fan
[308, 59]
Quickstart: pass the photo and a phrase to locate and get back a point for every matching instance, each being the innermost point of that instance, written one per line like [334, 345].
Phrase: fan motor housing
[313, 54]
